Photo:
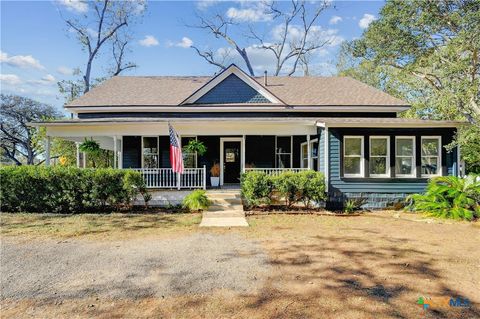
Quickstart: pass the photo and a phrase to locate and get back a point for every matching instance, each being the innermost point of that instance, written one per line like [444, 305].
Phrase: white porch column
[115, 152]
[120, 155]
[47, 151]
[244, 146]
[84, 159]
[309, 152]
[77, 144]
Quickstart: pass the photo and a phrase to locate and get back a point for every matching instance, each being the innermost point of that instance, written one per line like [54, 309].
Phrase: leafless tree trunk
[108, 17]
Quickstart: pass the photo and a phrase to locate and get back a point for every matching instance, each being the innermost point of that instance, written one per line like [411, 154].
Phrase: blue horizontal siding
[338, 184]
[232, 90]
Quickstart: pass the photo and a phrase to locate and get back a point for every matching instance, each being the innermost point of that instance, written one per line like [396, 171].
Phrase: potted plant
[195, 146]
[215, 175]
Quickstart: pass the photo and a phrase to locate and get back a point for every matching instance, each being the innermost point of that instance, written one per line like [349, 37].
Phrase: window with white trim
[313, 155]
[150, 151]
[431, 148]
[353, 156]
[283, 152]
[379, 163]
[189, 159]
[405, 156]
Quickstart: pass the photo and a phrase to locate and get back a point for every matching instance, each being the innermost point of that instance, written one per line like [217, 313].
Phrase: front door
[231, 162]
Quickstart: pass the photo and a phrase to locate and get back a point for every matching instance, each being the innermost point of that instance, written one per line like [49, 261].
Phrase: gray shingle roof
[172, 90]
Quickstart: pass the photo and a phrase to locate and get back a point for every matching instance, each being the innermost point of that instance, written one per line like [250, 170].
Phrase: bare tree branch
[218, 27]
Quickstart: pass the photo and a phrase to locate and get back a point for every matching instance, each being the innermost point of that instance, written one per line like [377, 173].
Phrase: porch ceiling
[218, 126]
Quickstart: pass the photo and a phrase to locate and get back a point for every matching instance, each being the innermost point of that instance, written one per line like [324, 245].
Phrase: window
[150, 152]
[353, 156]
[379, 164]
[189, 159]
[283, 152]
[431, 155]
[405, 156]
[313, 155]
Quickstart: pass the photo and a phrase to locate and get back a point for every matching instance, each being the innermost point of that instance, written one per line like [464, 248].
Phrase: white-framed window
[431, 152]
[379, 163]
[353, 157]
[189, 159]
[283, 151]
[313, 154]
[405, 156]
[149, 151]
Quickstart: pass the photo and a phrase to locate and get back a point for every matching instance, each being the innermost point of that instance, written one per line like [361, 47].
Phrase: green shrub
[196, 201]
[306, 186]
[256, 188]
[311, 186]
[287, 184]
[449, 197]
[66, 189]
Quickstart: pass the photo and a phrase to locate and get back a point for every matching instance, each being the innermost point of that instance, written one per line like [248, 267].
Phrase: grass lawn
[96, 226]
[371, 266]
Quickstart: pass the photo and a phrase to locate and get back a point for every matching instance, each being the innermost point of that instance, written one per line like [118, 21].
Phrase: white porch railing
[166, 178]
[274, 171]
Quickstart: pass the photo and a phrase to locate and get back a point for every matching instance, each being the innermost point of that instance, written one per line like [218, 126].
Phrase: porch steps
[226, 209]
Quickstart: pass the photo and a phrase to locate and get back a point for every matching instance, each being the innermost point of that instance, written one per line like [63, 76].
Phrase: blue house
[337, 125]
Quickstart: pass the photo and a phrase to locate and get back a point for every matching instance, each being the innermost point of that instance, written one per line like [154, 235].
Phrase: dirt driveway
[372, 266]
[138, 268]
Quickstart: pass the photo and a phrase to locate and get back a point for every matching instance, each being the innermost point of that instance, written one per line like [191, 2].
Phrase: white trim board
[235, 108]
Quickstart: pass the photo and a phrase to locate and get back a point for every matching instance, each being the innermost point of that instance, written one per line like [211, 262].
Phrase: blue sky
[37, 49]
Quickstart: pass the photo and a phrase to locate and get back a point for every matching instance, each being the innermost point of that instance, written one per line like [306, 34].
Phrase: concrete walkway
[226, 209]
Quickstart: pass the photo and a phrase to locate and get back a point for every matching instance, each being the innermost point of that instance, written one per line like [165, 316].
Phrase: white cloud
[64, 70]
[46, 80]
[148, 41]
[184, 43]
[11, 79]
[77, 6]
[317, 34]
[21, 61]
[248, 15]
[335, 20]
[205, 4]
[366, 20]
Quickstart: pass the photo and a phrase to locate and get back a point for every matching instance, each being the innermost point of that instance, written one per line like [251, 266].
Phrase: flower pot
[215, 181]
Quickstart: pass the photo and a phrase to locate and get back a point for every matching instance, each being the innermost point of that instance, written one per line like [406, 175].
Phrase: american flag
[176, 158]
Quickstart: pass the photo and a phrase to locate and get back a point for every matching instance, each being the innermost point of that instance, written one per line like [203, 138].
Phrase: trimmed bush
[449, 197]
[307, 187]
[196, 201]
[257, 188]
[67, 189]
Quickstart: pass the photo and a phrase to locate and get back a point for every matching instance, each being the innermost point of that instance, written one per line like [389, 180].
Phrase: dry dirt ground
[283, 266]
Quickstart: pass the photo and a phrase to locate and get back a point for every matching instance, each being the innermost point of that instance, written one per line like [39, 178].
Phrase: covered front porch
[236, 145]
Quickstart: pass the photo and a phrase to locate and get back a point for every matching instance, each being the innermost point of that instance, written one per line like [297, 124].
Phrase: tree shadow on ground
[350, 276]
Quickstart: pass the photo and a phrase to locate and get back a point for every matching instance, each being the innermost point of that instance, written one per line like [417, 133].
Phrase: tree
[19, 142]
[105, 23]
[297, 39]
[428, 53]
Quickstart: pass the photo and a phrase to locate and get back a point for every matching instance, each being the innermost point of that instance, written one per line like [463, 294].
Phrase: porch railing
[166, 178]
[274, 171]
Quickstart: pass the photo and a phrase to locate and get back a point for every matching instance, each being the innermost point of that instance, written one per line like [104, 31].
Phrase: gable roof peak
[232, 69]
